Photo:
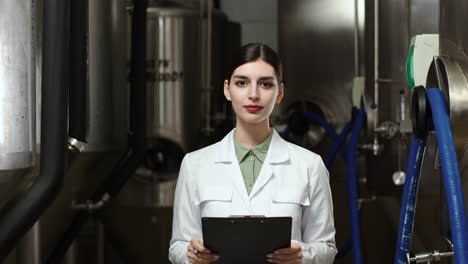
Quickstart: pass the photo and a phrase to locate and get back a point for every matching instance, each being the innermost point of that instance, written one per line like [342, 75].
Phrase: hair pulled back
[255, 51]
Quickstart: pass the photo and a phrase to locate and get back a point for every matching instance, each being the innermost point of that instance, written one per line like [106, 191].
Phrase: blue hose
[321, 121]
[451, 175]
[408, 203]
[339, 141]
[338, 144]
[353, 187]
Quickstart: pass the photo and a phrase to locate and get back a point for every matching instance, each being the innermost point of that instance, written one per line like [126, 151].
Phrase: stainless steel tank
[396, 24]
[454, 49]
[140, 218]
[107, 120]
[17, 94]
[318, 48]
[174, 78]
[316, 44]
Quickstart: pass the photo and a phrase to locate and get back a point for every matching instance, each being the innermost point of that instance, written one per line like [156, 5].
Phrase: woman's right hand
[198, 254]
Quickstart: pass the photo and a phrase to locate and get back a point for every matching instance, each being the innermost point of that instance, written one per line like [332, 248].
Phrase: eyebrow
[242, 77]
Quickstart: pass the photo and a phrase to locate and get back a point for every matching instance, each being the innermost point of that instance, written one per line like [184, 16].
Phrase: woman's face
[253, 90]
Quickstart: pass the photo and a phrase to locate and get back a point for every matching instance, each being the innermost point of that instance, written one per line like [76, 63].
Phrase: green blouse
[251, 160]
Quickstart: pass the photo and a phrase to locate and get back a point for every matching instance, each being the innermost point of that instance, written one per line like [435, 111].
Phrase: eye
[241, 83]
[266, 84]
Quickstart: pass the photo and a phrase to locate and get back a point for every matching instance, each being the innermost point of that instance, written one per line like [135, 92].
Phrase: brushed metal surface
[455, 89]
[17, 95]
[453, 42]
[454, 50]
[453, 37]
[398, 22]
[107, 113]
[29, 247]
[153, 190]
[316, 43]
[174, 76]
[17, 84]
[84, 175]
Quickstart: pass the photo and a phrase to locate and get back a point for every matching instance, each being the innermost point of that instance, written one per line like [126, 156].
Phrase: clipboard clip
[246, 216]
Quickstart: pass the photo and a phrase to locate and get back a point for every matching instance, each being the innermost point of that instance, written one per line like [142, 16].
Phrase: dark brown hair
[254, 51]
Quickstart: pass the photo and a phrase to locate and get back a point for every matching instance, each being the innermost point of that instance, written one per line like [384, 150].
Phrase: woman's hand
[198, 254]
[289, 255]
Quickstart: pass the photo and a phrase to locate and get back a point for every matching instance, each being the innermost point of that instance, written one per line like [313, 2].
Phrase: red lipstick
[253, 108]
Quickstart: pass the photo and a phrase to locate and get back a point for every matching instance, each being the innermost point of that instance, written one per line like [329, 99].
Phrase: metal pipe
[376, 72]
[77, 128]
[71, 256]
[137, 137]
[207, 12]
[28, 208]
[376, 62]
[90, 205]
[100, 242]
[428, 257]
[356, 38]
[28, 250]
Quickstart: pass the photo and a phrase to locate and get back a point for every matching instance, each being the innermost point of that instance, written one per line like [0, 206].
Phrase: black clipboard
[245, 239]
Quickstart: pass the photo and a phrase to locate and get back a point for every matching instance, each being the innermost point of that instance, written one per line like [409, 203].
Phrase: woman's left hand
[289, 255]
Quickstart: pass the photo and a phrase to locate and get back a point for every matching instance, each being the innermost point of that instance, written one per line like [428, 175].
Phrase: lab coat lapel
[278, 153]
[226, 154]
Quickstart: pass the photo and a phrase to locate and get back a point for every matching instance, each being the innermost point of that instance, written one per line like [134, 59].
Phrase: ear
[280, 93]
[227, 92]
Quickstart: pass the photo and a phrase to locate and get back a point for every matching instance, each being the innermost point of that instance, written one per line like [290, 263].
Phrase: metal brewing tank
[107, 125]
[17, 94]
[140, 218]
[174, 78]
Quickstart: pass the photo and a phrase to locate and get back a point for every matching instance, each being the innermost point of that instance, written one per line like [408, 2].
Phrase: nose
[253, 92]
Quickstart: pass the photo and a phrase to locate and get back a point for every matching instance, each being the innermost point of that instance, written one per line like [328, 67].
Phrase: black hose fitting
[420, 112]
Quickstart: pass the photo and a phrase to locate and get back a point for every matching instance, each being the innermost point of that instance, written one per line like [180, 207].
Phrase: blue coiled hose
[353, 187]
[338, 139]
[321, 121]
[451, 175]
[339, 144]
[408, 203]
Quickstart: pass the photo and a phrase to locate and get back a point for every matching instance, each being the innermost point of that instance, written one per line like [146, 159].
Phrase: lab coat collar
[277, 153]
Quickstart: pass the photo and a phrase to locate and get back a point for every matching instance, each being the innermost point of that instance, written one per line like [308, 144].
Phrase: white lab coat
[292, 182]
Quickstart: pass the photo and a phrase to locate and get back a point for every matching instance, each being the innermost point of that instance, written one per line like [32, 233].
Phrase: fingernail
[276, 252]
[269, 260]
[269, 255]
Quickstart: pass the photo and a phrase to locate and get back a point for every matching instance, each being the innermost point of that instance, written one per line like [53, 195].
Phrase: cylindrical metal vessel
[174, 78]
[107, 84]
[176, 68]
[106, 117]
[453, 49]
[17, 93]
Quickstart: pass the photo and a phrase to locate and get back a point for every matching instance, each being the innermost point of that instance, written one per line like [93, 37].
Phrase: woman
[253, 171]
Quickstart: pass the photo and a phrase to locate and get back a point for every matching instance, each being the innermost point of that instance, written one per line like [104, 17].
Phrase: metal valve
[428, 257]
